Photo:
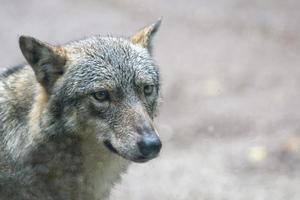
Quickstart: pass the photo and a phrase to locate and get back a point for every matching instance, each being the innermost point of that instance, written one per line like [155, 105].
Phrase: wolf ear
[47, 61]
[144, 36]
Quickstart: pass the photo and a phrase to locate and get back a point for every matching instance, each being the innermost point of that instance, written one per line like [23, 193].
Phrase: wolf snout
[150, 145]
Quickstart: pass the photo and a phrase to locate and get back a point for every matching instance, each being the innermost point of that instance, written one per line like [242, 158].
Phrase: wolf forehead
[108, 62]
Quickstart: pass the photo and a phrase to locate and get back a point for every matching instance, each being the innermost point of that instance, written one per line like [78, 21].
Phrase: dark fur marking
[12, 70]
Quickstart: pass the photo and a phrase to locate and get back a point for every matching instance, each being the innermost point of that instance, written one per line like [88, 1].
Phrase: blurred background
[230, 119]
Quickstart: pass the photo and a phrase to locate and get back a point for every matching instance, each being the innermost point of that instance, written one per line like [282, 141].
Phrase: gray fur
[57, 140]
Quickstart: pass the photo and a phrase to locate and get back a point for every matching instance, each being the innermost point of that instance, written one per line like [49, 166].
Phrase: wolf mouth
[110, 147]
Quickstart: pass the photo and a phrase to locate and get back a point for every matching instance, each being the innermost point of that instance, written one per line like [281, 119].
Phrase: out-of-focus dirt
[231, 86]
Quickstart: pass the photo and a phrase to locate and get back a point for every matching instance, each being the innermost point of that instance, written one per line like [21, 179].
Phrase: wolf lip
[110, 146]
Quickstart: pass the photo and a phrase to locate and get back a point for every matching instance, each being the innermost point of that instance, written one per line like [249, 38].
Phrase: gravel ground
[231, 86]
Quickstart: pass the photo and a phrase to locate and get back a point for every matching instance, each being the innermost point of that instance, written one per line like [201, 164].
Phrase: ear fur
[47, 61]
[145, 35]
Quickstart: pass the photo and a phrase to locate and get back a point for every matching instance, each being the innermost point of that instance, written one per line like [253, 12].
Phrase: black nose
[150, 145]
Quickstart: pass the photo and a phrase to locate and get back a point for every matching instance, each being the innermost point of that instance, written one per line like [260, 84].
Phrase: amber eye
[148, 90]
[101, 96]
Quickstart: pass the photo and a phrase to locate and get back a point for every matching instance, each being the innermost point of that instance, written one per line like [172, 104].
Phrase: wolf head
[101, 88]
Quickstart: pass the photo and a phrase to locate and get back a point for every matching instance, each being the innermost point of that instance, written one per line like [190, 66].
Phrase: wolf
[75, 116]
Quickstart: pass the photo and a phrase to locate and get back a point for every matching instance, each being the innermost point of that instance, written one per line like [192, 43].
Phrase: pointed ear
[144, 36]
[47, 61]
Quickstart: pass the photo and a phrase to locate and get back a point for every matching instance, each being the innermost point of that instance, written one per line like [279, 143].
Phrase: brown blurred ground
[230, 119]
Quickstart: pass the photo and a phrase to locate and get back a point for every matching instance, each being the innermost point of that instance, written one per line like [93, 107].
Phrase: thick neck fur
[61, 165]
[74, 168]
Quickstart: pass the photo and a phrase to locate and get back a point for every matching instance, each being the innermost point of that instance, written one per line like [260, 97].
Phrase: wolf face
[101, 88]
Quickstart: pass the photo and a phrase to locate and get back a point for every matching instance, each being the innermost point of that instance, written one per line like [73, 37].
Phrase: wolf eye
[148, 90]
[101, 96]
